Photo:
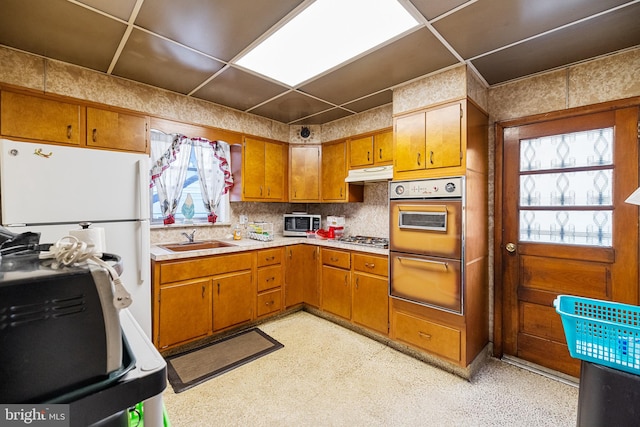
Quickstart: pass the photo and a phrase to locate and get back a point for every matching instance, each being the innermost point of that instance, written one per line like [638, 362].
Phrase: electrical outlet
[243, 219]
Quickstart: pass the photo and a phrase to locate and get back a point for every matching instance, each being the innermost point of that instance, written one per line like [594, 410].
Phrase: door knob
[510, 247]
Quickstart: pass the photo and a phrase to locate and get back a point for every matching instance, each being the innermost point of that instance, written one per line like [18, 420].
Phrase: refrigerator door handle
[143, 189]
[144, 261]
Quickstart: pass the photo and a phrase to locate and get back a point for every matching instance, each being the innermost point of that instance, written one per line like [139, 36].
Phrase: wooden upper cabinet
[371, 150]
[429, 140]
[117, 130]
[334, 170]
[42, 119]
[304, 179]
[264, 166]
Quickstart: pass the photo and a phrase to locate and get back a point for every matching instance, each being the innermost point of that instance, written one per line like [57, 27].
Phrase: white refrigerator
[50, 189]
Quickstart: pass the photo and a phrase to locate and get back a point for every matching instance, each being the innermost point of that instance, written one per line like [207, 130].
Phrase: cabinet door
[274, 172]
[371, 302]
[232, 299]
[334, 159]
[443, 141]
[120, 131]
[410, 143]
[185, 312]
[336, 291]
[305, 173]
[383, 148]
[361, 152]
[301, 281]
[254, 167]
[31, 117]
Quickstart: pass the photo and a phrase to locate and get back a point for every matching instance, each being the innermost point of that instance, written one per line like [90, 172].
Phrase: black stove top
[378, 242]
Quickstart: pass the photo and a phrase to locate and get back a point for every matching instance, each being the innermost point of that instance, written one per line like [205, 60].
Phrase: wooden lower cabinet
[435, 338]
[336, 291]
[370, 292]
[185, 312]
[232, 299]
[301, 276]
[193, 298]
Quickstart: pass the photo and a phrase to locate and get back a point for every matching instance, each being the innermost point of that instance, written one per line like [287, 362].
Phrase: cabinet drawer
[371, 264]
[269, 257]
[269, 302]
[201, 267]
[338, 259]
[269, 277]
[429, 336]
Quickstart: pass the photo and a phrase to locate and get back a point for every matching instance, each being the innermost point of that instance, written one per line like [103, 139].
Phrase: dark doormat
[196, 366]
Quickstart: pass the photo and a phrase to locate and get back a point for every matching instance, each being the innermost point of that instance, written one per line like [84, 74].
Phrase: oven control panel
[427, 188]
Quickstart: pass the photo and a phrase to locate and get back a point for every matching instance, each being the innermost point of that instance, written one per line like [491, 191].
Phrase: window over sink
[190, 179]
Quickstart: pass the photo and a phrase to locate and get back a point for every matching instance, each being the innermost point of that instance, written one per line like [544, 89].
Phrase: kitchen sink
[195, 246]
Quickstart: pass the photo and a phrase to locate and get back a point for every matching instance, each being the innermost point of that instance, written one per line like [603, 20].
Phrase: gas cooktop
[378, 242]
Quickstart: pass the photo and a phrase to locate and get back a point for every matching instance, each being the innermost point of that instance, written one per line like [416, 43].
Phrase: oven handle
[422, 208]
[427, 261]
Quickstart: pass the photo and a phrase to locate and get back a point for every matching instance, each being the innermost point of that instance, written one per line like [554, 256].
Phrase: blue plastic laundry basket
[601, 332]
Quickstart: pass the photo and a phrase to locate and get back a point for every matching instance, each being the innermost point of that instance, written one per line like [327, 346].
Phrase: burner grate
[379, 242]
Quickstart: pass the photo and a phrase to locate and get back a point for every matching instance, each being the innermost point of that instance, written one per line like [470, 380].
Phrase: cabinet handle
[202, 291]
[290, 254]
[261, 191]
[424, 335]
[270, 279]
[218, 288]
[94, 135]
[368, 156]
[418, 159]
[372, 265]
[334, 259]
[268, 191]
[357, 282]
[380, 155]
[314, 254]
[268, 303]
[431, 157]
[340, 192]
[69, 131]
[269, 258]
[346, 283]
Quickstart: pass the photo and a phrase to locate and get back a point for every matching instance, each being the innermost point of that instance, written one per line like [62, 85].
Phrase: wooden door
[383, 148]
[305, 173]
[301, 276]
[254, 168]
[274, 172]
[120, 131]
[232, 299]
[565, 226]
[361, 151]
[409, 144]
[334, 170]
[371, 302]
[443, 137]
[336, 291]
[185, 312]
[31, 117]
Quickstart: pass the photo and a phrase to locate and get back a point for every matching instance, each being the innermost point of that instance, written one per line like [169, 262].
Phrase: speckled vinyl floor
[327, 375]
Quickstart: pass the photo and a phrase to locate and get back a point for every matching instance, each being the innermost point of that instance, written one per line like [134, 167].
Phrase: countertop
[158, 253]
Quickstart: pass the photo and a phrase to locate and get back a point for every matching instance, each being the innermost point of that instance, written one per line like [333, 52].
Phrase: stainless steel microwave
[297, 224]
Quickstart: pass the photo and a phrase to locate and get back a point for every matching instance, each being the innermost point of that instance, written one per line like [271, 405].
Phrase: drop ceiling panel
[238, 89]
[607, 33]
[60, 30]
[220, 28]
[324, 117]
[119, 8]
[155, 61]
[434, 8]
[364, 104]
[412, 56]
[291, 107]
[489, 24]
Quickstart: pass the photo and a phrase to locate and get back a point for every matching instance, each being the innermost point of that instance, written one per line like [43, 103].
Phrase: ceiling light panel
[324, 35]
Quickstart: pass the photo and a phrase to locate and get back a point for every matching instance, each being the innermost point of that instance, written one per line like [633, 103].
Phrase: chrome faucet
[190, 236]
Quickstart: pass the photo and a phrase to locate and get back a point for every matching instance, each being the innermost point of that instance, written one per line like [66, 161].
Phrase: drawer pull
[268, 303]
[425, 261]
[270, 279]
[269, 258]
[69, 131]
[94, 135]
[372, 265]
[424, 335]
[332, 259]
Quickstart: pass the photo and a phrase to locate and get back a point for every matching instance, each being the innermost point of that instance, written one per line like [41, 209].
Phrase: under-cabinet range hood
[372, 174]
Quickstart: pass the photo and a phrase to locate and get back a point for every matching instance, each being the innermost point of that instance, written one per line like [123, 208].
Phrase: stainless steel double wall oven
[426, 242]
